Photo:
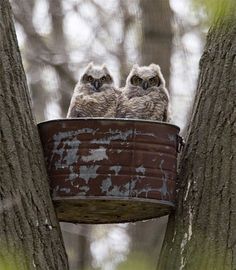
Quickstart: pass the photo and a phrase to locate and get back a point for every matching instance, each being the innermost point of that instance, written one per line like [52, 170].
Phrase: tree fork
[30, 237]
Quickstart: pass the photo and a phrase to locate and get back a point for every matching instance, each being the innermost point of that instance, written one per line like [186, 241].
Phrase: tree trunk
[29, 233]
[201, 233]
[157, 34]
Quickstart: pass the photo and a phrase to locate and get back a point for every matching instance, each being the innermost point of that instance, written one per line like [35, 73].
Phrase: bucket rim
[133, 120]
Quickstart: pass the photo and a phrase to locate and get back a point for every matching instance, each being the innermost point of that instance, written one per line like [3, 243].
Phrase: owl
[94, 95]
[144, 95]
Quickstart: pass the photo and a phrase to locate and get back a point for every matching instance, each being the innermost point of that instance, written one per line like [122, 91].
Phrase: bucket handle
[180, 143]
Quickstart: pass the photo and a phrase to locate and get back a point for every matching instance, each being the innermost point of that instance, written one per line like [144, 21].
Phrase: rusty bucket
[110, 170]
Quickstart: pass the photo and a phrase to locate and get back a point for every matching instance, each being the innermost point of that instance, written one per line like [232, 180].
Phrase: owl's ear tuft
[90, 65]
[157, 70]
[104, 67]
[135, 66]
[155, 67]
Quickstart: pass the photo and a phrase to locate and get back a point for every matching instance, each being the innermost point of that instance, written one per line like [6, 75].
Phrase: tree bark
[201, 233]
[157, 34]
[29, 232]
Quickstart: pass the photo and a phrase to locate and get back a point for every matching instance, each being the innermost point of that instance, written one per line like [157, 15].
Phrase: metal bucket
[110, 170]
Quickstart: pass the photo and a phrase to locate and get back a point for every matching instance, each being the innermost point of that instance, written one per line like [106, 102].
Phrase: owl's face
[143, 80]
[96, 78]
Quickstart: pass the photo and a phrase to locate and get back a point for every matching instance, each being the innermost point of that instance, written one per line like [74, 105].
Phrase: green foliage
[11, 259]
[137, 261]
[6, 267]
[9, 264]
[216, 9]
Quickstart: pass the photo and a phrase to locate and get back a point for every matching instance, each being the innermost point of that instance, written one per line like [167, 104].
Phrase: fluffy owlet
[144, 95]
[94, 95]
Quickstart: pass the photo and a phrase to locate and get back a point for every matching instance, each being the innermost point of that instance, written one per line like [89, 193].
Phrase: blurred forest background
[57, 38]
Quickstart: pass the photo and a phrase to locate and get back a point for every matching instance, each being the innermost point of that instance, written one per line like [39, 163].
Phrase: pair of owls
[143, 97]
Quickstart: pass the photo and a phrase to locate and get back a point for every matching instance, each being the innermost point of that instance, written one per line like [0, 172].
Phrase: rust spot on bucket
[110, 170]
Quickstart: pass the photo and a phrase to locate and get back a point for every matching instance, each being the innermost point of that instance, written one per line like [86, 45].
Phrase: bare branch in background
[40, 52]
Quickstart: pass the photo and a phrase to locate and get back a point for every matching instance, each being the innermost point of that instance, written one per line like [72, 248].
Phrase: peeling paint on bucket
[110, 170]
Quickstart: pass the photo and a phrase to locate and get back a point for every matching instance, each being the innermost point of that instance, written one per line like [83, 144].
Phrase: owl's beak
[96, 84]
[145, 85]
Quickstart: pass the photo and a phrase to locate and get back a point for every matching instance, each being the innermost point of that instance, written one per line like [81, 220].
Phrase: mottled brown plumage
[144, 95]
[94, 95]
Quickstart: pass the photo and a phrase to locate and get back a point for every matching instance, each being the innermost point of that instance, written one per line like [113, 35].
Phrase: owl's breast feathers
[97, 104]
[153, 106]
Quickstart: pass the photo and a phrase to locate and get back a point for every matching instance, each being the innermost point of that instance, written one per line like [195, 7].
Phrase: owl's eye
[86, 78]
[154, 81]
[135, 80]
[90, 79]
[108, 78]
[103, 79]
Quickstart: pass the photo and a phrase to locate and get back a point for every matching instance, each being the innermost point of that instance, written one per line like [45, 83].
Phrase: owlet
[94, 95]
[144, 95]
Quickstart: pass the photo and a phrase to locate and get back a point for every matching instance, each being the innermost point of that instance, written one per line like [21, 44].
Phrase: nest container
[110, 170]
